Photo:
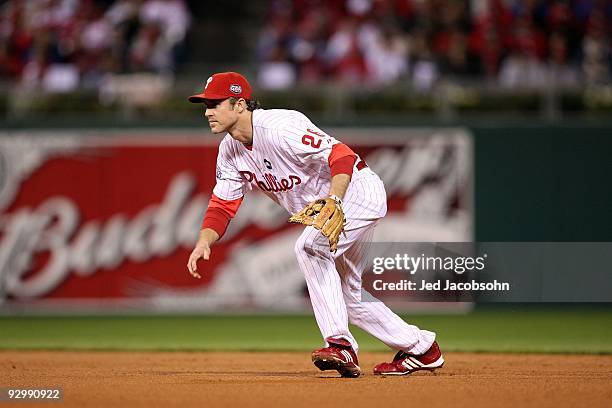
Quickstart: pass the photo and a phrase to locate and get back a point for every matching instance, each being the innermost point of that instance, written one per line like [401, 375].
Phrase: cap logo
[235, 88]
[208, 81]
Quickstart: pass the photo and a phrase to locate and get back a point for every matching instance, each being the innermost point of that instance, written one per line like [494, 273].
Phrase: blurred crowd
[60, 45]
[509, 43]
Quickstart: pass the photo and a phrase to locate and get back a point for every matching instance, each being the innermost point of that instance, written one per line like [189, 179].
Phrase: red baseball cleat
[339, 356]
[404, 363]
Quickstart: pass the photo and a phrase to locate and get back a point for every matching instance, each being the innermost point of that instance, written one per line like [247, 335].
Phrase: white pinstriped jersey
[288, 160]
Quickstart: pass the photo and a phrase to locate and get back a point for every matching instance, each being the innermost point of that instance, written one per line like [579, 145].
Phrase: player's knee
[352, 304]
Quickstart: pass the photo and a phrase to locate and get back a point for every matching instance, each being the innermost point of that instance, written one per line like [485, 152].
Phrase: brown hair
[251, 104]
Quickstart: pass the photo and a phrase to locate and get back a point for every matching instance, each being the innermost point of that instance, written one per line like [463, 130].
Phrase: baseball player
[329, 189]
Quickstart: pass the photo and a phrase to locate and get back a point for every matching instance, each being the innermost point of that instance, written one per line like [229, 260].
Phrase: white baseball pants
[334, 279]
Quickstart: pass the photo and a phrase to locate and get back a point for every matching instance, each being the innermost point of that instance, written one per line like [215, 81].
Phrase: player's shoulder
[226, 141]
[270, 119]
[227, 144]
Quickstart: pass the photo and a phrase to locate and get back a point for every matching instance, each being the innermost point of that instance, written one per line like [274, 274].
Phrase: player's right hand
[201, 251]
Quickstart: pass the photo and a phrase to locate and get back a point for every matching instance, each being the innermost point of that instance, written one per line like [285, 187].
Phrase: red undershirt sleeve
[219, 213]
[341, 160]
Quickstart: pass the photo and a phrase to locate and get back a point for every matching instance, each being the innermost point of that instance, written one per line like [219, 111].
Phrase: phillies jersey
[288, 161]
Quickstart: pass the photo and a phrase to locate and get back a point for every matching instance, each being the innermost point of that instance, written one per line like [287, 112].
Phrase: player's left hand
[324, 214]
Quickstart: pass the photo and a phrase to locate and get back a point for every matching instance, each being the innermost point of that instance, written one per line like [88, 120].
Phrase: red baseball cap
[222, 86]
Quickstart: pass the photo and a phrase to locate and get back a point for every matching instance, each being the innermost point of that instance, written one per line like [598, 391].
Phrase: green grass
[516, 329]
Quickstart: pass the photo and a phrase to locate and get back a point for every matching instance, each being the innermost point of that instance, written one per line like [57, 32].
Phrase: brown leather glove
[324, 214]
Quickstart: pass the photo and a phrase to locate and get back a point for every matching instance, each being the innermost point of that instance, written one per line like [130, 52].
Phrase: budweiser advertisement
[102, 221]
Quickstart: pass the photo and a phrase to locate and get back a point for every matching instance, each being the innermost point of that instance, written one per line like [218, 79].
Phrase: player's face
[221, 115]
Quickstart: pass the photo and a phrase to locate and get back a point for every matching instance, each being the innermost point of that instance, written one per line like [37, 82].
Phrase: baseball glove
[324, 214]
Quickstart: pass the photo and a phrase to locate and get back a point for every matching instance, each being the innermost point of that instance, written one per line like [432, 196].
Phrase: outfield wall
[105, 220]
[543, 183]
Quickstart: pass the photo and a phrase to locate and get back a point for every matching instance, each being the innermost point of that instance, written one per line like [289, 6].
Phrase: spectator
[560, 71]
[424, 68]
[346, 62]
[150, 52]
[522, 69]
[123, 15]
[386, 57]
[306, 47]
[277, 73]
[596, 50]
[458, 61]
[171, 19]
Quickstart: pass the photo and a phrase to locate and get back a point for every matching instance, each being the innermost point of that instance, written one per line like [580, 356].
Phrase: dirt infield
[289, 379]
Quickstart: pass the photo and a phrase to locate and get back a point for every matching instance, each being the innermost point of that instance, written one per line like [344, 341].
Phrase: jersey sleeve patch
[230, 185]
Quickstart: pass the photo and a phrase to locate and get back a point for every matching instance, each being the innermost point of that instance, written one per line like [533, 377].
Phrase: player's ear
[241, 105]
